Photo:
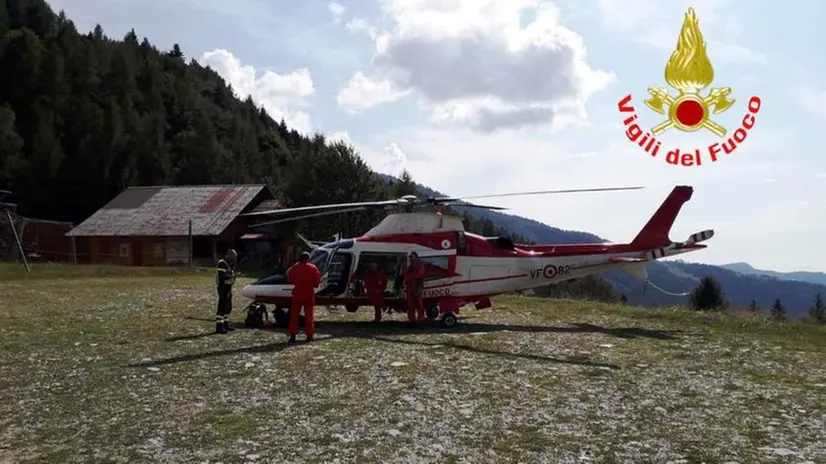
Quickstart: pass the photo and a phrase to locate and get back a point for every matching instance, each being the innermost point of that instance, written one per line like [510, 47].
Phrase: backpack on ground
[257, 316]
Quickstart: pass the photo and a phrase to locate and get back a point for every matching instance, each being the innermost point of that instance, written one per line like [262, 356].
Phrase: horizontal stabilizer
[700, 236]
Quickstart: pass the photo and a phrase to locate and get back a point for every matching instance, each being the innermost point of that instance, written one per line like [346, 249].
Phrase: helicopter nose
[248, 291]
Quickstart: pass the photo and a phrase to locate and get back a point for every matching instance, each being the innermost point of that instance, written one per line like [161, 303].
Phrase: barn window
[157, 250]
[125, 250]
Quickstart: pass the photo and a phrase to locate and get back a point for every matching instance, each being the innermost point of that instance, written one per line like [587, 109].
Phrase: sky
[482, 97]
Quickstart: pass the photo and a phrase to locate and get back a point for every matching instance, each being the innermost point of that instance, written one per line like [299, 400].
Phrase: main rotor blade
[306, 216]
[309, 244]
[474, 205]
[363, 204]
[542, 192]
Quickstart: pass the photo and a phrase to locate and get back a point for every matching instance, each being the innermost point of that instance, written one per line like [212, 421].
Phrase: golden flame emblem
[689, 71]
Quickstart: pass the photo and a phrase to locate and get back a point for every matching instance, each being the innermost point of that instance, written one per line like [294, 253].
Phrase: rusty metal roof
[166, 211]
[267, 205]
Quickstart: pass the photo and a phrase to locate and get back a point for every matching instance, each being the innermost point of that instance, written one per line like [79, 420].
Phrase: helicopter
[461, 267]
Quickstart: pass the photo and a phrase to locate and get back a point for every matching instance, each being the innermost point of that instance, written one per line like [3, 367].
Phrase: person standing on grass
[305, 277]
[375, 282]
[414, 285]
[224, 280]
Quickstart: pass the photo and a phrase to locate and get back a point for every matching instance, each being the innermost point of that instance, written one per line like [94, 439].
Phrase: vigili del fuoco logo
[689, 72]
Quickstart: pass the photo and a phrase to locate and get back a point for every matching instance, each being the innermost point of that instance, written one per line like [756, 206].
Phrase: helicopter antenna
[8, 209]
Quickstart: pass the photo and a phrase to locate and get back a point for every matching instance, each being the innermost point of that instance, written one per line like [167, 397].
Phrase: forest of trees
[709, 296]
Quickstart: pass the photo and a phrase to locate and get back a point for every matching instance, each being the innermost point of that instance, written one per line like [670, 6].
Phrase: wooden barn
[165, 225]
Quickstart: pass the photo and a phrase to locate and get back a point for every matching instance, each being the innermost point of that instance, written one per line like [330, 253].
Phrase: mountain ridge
[813, 277]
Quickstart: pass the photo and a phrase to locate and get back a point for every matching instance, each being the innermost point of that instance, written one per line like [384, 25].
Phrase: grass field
[119, 365]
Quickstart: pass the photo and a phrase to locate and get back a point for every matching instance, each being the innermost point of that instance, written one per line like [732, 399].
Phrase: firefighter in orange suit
[414, 285]
[375, 281]
[305, 277]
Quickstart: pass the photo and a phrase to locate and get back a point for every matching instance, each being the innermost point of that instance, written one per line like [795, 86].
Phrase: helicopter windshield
[319, 258]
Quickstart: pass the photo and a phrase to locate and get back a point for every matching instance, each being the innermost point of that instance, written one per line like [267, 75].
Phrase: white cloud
[359, 26]
[339, 136]
[395, 159]
[336, 9]
[473, 62]
[658, 23]
[279, 94]
[363, 92]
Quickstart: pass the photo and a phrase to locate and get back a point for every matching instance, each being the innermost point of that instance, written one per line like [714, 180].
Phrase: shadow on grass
[380, 332]
[367, 328]
[504, 354]
[267, 348]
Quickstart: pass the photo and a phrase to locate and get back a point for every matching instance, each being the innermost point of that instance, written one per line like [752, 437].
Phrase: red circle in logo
[690, 113]
[549, 272]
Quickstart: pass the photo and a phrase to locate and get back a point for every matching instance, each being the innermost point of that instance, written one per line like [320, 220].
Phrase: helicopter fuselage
[464, 268]
[461, 267]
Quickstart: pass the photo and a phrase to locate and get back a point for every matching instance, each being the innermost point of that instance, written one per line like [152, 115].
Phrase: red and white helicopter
[462, 267]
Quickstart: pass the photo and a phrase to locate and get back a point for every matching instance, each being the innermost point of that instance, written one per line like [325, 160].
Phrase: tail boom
[557, 263]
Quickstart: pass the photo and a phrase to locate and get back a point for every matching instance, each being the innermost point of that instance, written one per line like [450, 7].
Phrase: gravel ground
[122, 369]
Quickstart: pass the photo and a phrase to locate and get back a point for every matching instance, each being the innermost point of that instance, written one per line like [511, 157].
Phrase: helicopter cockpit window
[440, 262]
[337, 274]
[436, 267]
[319, 258]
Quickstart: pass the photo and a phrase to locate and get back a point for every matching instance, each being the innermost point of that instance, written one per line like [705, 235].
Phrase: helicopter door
[323, 258]
[439, 266]
[336, 274]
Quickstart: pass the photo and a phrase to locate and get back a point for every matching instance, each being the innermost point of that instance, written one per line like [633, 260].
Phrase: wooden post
[191, 253]
[74, 250]
[17, 239]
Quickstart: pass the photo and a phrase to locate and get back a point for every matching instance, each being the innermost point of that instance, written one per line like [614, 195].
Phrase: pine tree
[404, 186]
[708, 296]
[177, 53]
[778, 311]
[818, 311]
[11, 160]
[753, 306]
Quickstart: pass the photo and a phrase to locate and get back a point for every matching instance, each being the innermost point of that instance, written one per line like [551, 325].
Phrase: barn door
[137, 253]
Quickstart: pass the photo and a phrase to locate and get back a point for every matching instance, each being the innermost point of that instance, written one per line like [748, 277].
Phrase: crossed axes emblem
[717, 99]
